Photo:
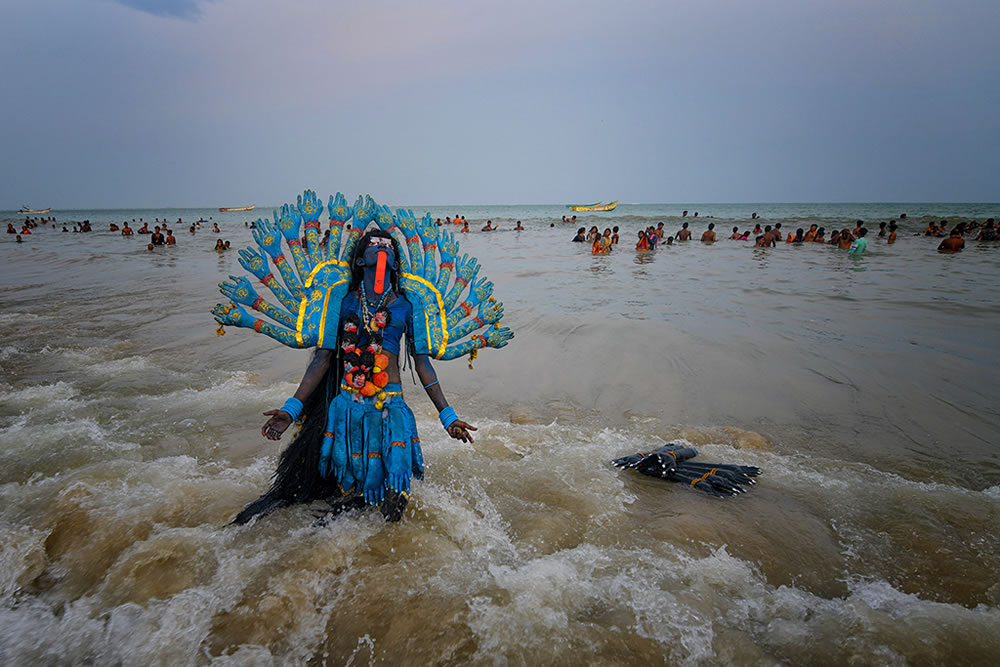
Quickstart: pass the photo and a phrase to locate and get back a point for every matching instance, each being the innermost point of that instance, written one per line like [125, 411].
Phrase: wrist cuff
[293, 407]
[447, 416]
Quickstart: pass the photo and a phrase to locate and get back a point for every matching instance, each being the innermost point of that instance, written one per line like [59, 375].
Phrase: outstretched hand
[277, 424]
[459, 430]
[498, 336]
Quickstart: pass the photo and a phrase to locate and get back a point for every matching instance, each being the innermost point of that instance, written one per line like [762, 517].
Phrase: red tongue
[380, 274]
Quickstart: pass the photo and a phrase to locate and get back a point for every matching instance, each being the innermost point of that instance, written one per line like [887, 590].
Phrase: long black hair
[297, 478]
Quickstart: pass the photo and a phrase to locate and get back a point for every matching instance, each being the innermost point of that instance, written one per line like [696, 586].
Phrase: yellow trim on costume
[329, 262]
[322, 315]
[299, 321]
[440, 303]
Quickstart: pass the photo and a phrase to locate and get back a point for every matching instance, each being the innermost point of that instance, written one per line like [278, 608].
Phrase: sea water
[865, 388]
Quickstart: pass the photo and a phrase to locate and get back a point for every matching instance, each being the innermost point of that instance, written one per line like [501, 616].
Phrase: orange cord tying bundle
[703, 477]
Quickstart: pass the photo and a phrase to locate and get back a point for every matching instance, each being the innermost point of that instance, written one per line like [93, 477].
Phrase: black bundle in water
[672, 462]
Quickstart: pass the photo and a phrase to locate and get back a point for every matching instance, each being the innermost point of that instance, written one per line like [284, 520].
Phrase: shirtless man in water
[954, 242]
[684, 234]
[709, 235]
[766, 240]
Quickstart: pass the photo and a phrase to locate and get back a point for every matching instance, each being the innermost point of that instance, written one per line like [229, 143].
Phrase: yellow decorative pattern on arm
[441, 313]
[322, 315]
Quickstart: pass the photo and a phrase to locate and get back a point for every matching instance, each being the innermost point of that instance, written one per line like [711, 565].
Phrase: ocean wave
[47, 393]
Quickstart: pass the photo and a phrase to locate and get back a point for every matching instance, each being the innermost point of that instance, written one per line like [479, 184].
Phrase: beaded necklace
[368, 311]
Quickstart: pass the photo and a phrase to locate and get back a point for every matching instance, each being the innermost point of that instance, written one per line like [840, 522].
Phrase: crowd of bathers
[29, 224]
[854, 240]
[160, 235]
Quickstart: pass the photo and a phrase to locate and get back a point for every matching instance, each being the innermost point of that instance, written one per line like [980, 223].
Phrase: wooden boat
[238, 208]
[582, 207]
[24, 210]
[596, 207]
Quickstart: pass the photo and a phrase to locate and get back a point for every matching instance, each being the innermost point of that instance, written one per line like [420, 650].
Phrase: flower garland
[365, 367]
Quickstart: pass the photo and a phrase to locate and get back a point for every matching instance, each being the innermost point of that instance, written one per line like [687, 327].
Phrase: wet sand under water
[865, 390]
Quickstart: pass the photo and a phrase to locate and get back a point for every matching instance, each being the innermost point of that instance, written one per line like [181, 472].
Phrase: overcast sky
[148, 103]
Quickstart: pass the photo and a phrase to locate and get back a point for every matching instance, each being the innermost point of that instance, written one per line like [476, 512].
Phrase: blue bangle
[428, 386]
[447, 416]
[293, 407]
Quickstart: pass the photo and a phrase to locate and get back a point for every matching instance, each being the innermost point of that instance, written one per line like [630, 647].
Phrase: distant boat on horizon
[238, 208]
[27, 210]
[594, 207]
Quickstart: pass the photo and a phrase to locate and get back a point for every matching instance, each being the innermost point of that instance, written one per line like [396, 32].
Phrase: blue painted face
[379, 259]
[371, 256]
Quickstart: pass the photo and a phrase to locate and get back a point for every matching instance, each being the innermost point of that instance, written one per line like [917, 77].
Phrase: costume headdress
[315, 281]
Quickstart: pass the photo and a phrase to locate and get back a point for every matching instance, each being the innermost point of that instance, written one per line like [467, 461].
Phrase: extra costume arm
[466, 270]
[449, 248]
[492, 338]
[429, 237]
[481, 290]
[489, 313]
[269, 240]
[242, 292]
[256, 263]
[410, 228]
[233, 315]
[340, 213]
[310, 207]
[289, 222]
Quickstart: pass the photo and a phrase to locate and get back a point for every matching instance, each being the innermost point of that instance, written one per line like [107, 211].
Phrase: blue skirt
[371, 443]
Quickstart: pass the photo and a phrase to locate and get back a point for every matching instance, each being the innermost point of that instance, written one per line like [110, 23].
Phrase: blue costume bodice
[400, 311]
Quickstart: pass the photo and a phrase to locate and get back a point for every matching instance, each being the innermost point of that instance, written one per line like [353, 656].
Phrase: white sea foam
[43, 394]
[118, 366]
[240, 386]
[21, 318]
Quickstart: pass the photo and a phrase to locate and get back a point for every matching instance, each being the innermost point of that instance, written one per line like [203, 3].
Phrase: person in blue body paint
[358, 444]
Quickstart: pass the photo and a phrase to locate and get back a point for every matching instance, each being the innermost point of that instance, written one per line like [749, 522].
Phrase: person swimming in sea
[708, 236]
[988, 232]
[860, 244]
[954, 242]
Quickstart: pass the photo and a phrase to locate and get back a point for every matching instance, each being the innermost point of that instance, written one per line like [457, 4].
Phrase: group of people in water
[854, 241]
[30, 224]
[160, 235]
